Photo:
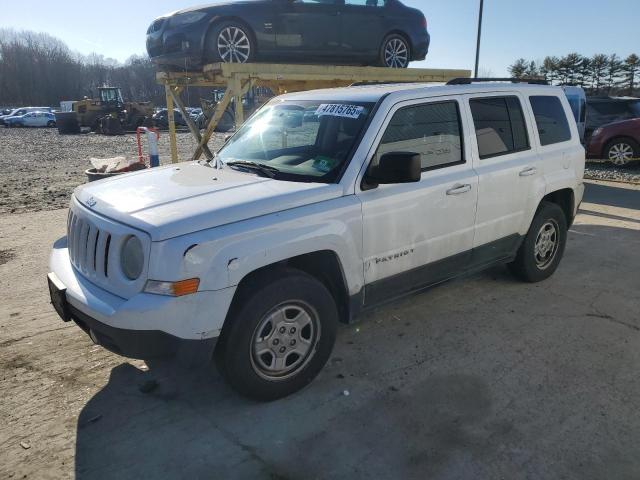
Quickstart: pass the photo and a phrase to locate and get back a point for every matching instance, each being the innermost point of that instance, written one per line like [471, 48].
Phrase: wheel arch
[403, 34]
[323, 265]
[565, 199]
[226, 18]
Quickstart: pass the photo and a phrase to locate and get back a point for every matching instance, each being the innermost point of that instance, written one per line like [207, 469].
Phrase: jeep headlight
[132, 257]
[186, 18]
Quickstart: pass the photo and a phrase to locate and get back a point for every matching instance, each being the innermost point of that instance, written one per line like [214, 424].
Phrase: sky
[511, 29]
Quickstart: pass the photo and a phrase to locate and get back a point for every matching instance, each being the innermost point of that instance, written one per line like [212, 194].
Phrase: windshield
[300, 140]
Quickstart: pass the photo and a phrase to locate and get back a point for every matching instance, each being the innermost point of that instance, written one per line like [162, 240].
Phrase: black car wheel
[278, 336]
[395, 52]
[621, 151]
[230, 42]
[543, 246]
[51, 124]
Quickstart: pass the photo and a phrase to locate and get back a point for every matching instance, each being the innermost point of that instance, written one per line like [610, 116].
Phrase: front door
[307, 26]
[417, 234]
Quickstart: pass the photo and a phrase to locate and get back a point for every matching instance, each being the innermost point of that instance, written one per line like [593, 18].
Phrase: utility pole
[478, 42]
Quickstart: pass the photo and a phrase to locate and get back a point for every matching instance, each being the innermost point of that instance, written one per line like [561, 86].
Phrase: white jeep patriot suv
[323, 204]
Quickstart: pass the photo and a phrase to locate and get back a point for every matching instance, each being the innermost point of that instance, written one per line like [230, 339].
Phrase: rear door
[416, 234]
[362, 26]
[308, 27]
[510, 178]
[560, 151]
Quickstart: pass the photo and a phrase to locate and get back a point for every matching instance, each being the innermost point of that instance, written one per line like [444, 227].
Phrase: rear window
[499, 124]
[550, 119]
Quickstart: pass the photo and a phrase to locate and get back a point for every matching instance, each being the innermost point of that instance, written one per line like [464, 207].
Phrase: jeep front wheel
[543, 246]
[279, 335]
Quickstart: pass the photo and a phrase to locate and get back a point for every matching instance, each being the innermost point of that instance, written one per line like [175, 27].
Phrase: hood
[175, 200]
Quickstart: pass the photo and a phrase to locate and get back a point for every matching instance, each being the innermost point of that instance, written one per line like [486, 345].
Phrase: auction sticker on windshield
[339, 110]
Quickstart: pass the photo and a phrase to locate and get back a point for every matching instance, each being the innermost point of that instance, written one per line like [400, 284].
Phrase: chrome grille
[88, 246]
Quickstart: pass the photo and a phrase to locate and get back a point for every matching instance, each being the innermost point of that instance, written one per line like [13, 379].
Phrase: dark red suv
[618, 142]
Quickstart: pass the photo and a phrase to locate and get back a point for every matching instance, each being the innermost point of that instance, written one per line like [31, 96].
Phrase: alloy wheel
[233, 45]
[396, 53]
[546, 245]
[285, 340]
[620, 153]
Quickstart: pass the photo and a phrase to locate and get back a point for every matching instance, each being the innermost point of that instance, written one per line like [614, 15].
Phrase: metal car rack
[238, 78]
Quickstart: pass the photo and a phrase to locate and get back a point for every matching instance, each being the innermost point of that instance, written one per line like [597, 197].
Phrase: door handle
[458, 189]
[528, 171]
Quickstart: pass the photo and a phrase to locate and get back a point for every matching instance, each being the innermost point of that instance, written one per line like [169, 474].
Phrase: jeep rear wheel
[543, 246]
[279, 335]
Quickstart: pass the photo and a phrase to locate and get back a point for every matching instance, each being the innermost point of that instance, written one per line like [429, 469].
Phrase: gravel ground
[40, 168]
[598, 170]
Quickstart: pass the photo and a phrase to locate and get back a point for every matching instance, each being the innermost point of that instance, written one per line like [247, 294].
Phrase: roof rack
[469, 81]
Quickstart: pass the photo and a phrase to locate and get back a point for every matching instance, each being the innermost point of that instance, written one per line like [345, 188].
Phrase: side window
[366, 3]
[500, 125]
[550, 119]
[433, 130]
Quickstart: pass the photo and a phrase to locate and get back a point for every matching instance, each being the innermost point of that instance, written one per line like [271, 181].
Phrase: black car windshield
[299, 140]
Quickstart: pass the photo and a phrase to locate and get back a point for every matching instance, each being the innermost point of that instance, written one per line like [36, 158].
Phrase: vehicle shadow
[612, 196]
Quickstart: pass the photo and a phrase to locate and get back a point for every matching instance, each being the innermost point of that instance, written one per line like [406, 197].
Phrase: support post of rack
[175, 95]
[172, 124]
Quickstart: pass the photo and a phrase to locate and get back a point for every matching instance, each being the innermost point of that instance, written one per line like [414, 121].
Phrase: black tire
[532, 266]
[220, 34]
[257, 306]
[395, 43]
[621, 151]
[51, 124]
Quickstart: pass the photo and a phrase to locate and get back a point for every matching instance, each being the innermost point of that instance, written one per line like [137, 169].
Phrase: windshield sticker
[324, 164]
[339, 110]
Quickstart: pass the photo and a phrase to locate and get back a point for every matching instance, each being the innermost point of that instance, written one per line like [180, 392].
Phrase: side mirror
[394, 167]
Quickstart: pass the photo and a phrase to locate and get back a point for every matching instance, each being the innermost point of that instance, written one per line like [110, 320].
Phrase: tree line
[38, 69]
[599, 75]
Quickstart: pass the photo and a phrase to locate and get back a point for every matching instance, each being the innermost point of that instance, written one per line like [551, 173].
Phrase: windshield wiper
[266, 170]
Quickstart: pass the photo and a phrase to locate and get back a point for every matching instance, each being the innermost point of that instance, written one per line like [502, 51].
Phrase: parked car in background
[357, 32]
[32, 119]
[161, 118]
[605, 110]
[617, 142]
[21, 111]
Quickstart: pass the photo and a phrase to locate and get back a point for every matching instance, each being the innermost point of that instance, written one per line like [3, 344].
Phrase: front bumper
[142, 344]
[595, 147]
[177, 47]
[145, 325]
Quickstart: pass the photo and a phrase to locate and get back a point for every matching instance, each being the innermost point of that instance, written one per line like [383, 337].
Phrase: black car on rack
[352, 32]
